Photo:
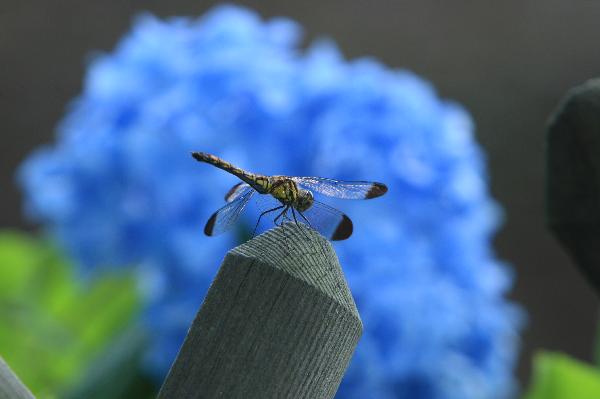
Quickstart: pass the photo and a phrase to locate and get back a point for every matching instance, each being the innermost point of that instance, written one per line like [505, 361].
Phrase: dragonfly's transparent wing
[236, 191]
[226, 217]
[328, 221]
[342, 189]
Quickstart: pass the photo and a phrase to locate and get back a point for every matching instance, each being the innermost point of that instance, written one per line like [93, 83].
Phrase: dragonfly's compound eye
[304, 201]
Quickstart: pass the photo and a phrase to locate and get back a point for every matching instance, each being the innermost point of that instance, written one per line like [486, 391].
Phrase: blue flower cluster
[118, 188]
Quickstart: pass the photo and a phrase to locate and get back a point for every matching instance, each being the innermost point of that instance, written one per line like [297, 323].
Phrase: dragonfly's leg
[263, 214]
[282, 213]
[307, 221]
[310, 225]
[286, 217]
[294, 215]
[297, 224]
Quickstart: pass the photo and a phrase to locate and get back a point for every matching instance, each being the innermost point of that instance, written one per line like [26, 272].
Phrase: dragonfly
[293, 194]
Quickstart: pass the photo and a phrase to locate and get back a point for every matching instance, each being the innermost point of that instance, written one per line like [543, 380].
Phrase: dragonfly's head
[305, 200]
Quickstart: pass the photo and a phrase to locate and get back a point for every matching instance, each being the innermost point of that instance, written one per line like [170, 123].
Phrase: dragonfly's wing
[328, 221]
[342, 189]
[226, 217]
[236, 191]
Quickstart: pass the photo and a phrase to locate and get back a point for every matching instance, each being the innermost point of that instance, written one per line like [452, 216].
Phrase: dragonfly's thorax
[288, 193]
[284, 189]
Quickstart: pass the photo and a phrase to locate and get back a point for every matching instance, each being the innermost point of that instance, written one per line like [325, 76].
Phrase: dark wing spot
[376, 190]
[232, 190]
[208, 229]
[343, 230]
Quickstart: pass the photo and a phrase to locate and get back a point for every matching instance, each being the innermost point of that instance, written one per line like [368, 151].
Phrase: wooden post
[10, 385]
[278, 322]
[573, 177]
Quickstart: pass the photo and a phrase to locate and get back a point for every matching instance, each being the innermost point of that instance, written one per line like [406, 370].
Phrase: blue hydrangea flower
[118, 188]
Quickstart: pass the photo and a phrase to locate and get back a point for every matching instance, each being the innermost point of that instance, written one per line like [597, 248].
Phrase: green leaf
[558, 376]
[119, 365]
[53, 325]
[597, 346]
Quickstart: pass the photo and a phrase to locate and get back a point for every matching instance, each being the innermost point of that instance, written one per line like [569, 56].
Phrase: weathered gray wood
[573, 177]
[10, 385]
[278, 322]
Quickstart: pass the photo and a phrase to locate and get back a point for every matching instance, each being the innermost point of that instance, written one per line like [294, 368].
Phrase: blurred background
[508, 63]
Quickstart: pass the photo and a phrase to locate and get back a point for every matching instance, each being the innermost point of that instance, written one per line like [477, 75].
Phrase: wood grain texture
[573, 177]
[10, 385]
[278, 322]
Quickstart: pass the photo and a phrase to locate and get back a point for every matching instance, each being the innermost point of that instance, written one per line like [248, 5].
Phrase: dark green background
[507, 62]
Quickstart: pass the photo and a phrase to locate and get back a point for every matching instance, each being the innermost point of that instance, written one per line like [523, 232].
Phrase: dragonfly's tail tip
[200, 156]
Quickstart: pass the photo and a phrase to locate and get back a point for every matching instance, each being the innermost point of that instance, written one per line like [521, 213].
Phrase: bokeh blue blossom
[118, 189]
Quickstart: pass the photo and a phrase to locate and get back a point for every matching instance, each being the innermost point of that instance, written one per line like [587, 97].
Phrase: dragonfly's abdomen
[259, 182]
